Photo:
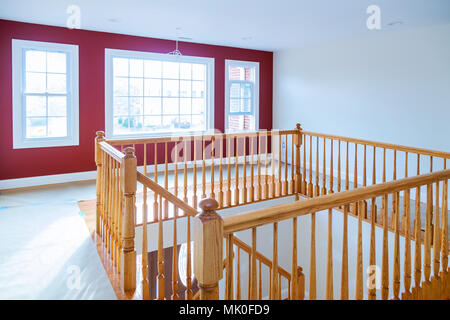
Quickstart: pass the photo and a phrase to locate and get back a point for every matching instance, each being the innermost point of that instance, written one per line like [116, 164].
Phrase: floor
[47, 251]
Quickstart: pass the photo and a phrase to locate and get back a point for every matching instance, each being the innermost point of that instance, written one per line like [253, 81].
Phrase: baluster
[444, 240]
[310, 184]
[324, 169]
[297, 178]
[166, 183]
[339, 167]
[145, 283]
[331, 167]
[427, 254]
[203, 168]
[312, 276]
[374, 181]
[252, 174]
[394, 197]
[294, 275]
[212, 194]
[229, 171]
[346, 168]
[160, 277]
[293, 150]
[417, 240]
[250, 279]
[304, 185]
[229, 267]
[100, 136]
[155, 202]
[260, 282]
[317, 188]
[236, 174]
[329, 287]
[372, 260]
[194, 198]
[275, 286]
[344, 277]
[238, 275]
[258, 184]
[406, 193]
[252, 286]
[436, 249]
[244, 174]
[119, 221]
[185, 186]
[221, 172]
[286, 183]
[359, 257]
[396, 267]
[266, 167]
[407, 231]
[385, 261]
[175, 255]
[279, 182]
[272, 184]
[365, 180]
[188, 260]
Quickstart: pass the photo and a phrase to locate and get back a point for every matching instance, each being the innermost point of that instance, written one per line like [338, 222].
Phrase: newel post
[298, 175]
[208, 245]
[98, 161]
[129, 185]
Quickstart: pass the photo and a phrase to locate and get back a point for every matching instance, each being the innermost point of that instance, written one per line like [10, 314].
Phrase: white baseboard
[91, 175]
[47, 180]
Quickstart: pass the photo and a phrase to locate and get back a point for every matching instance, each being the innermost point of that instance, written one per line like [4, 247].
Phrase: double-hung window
[45, 94]
[150, 94]
[241, 95]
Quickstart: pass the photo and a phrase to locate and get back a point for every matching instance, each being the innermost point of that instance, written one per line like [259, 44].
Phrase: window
[241, 95]
[45, 94]
[151, 94]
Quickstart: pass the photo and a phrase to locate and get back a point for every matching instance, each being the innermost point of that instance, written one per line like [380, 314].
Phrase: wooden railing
[431, 287]
[237, 169]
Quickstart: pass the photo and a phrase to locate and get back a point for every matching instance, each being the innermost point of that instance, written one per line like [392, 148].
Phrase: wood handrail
[273, 214]
[146, 181]
[421, 151]
[113, 152]
[197, 137]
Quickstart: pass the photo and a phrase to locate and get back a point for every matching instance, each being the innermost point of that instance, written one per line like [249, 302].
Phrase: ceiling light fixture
[176, 52]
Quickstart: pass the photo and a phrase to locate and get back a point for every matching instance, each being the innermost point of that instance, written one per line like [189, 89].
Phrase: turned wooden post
[98, 161]
[300, 284]
[208, 260]
[129, 185]
[298, 175]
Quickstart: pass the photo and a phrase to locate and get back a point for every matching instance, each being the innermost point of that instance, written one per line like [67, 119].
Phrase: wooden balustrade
[258, 167]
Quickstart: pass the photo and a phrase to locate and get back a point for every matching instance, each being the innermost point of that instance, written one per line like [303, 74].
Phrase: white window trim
[245, 64]
[110, 53]
[19, 139]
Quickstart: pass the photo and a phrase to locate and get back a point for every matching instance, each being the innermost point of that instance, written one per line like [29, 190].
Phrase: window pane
[136, 106]
[198, 71]
[246, 105]
[120, 67]
[57, 106]
[56, 62]
[185, 106]
[185, 122]
[198, 106]
[36, 127]
[198, 122]
[136, 68]
[121, 86]
[35, 106]
[170, 88]
[152, 87]
[152, 122]
[120, 125]
[235, 90]
[57, 127]
[152, 106]
[169, 121]
[120, 106]
[185, 88]
[171, 70]
[235, 105]
[198, 89]
[170, 105]
[56, 83]
[35, 60]
[246, 90]
[185, 71]
[152, 69]
[35, 82]
[136, 87]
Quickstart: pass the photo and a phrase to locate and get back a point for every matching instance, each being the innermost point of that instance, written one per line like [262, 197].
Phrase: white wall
[389, 86]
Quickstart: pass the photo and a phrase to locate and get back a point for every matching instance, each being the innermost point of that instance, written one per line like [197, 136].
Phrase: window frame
[131, 54]
[20, 141]
[228, 82]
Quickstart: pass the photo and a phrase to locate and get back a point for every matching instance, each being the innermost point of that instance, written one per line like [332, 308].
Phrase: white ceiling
[257, 24]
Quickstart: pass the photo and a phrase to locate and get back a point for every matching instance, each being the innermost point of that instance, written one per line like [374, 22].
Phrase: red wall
[44, 161]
